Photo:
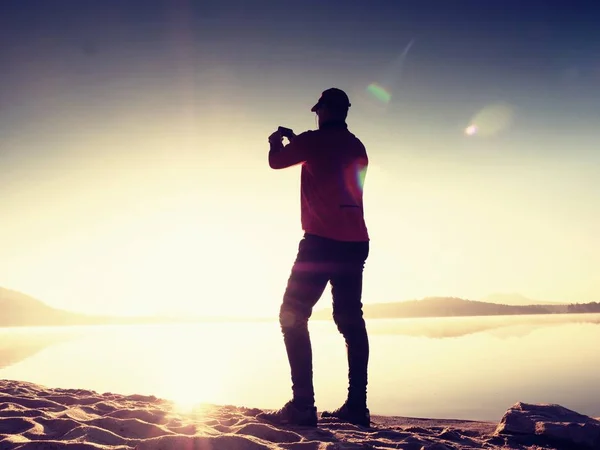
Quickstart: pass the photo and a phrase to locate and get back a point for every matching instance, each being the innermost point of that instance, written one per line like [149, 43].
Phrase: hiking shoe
[357, 416]
[292, 414]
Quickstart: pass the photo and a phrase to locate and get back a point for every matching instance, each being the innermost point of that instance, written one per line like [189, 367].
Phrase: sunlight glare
[471, 130]
[192, 370]
[491, 120]
[188, 389]
[186, 404]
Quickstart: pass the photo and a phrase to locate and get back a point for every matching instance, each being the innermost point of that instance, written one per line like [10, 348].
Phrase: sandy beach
[38, 417]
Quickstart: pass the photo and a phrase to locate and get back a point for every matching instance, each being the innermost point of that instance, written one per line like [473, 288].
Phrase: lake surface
[464, 368]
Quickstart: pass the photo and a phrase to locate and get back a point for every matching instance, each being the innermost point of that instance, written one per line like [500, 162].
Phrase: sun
[186, 405]
[188, 391]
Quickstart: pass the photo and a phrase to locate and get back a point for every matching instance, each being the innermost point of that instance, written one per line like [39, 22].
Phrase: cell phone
[286, 132]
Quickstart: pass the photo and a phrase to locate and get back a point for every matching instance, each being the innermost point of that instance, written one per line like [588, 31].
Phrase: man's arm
[295, 152]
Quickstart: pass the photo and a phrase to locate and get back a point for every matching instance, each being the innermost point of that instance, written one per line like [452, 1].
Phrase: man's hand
[287, 133]
[297, 151]
[276, 138]
[275, 142]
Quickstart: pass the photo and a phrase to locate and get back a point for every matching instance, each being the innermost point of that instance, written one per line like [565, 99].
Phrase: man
[333, 250]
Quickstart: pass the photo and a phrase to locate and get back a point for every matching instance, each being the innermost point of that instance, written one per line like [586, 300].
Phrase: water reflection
[449, 327]
[17, 344]
[464, 368]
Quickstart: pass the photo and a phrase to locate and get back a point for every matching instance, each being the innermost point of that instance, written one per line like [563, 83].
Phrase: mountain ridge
[19, 309]
[459, 307]
[514, 299]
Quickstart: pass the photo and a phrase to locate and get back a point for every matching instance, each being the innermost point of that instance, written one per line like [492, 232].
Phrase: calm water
[467, 368]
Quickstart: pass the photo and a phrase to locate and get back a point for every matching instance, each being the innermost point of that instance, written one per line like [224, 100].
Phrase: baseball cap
[332, 97]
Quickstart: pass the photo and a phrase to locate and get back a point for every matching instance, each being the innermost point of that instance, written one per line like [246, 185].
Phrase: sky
[133, 148]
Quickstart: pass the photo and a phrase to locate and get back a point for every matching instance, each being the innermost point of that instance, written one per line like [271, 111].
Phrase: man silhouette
[333, 250]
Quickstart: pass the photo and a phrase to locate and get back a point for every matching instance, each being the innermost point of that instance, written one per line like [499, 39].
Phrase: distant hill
[18, 309]
[457, 307]
[514, 299]
[21, 310]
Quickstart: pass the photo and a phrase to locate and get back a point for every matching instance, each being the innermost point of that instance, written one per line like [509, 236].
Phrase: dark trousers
[319, 261]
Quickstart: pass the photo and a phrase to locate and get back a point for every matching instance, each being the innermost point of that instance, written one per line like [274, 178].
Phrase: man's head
[332, 106]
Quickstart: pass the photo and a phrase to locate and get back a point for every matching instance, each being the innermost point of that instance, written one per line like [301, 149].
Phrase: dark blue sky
[530, 42]
[543, 53]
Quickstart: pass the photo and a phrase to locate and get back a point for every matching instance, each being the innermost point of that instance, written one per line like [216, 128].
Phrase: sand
[38, 417]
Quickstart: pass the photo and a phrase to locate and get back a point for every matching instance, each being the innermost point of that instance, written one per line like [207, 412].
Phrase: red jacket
[334, 163]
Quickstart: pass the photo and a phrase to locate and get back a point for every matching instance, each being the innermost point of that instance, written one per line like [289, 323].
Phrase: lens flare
[379, 92]
[360, 177]
[471, 130]
[490, 120]
[391, 78]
